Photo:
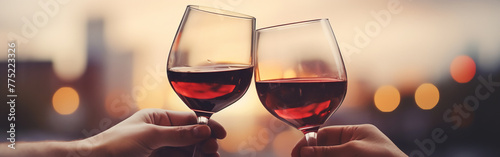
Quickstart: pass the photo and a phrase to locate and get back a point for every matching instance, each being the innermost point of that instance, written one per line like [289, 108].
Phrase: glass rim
[220, 11]
[292, 23]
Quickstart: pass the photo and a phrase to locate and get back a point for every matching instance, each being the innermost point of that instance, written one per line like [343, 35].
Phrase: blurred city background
[414, 68]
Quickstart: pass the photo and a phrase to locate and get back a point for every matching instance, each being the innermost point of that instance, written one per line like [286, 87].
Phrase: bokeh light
[387, 98]
[427, 96]
[463, 69]
[65, 100]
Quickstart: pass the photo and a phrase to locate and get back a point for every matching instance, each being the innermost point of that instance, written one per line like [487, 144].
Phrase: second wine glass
[210, 63]
[299, 74]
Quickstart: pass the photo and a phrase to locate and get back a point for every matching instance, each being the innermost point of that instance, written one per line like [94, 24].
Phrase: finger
[298, 146]
[336, 135]
[217, 130]
[348, 149]
[176, 118]
[327, 136]
[177, 136]
[210, 146]
[181, 118]
[317, 151]
[166, 117]
[370, 132]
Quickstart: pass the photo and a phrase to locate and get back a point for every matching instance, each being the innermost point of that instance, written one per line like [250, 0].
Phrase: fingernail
[201, 131]
[306, 152]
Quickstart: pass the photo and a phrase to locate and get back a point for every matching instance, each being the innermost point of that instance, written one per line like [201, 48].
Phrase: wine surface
[209, 89]
[304, 103]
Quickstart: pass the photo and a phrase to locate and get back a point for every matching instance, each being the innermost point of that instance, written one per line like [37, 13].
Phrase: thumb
[177, 136]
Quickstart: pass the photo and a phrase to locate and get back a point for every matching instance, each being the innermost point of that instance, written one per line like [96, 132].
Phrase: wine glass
[299, 74]
[210, 64]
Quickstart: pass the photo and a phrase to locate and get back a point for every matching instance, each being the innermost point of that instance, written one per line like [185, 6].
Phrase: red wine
[209, 89]
[304, 103]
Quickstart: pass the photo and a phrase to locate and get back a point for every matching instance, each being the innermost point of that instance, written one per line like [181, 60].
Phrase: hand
[353, 140]
[149, 132]
[155, 132]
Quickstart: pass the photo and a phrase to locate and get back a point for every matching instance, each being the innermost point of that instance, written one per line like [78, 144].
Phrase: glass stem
[202, 120]
[311, 138]
[197, 148]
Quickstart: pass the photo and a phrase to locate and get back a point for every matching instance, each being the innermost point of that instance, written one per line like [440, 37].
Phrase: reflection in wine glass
[300, 76]
[210, 63]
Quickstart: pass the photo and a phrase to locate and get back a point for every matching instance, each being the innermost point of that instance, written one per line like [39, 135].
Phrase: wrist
[87, 147]
[78, 148]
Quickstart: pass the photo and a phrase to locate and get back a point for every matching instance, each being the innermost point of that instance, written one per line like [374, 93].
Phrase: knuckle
[148, 110]
[323, 130]
[322, 151]
[368, 126]
[354, 145]
[151, 129]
